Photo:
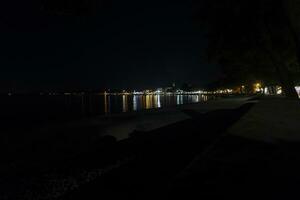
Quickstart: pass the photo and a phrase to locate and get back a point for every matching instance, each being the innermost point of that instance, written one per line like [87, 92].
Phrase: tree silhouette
[253, 40]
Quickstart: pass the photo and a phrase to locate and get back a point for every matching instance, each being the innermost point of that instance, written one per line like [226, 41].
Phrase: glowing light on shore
[257, 87]
[279, 90]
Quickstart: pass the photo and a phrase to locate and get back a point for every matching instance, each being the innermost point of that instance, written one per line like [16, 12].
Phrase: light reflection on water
[142, 102]
[61, 107]
[125, 103]
[158, 100]
[179, 99]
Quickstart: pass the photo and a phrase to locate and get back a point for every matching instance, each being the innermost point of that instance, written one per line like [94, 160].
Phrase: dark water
[44, 108]
[129, 103]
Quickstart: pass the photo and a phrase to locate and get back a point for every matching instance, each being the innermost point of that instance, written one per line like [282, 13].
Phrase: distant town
[255, 88]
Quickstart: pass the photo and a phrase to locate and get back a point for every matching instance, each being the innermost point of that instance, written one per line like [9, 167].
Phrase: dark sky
[91, 44]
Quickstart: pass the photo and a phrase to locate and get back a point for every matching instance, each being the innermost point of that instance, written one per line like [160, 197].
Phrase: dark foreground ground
[158, 157]
[192, 159]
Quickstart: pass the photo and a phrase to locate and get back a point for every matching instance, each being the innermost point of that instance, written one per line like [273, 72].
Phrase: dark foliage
[251, 40]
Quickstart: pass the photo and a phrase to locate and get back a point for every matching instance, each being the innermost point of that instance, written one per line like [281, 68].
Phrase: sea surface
[25, 109]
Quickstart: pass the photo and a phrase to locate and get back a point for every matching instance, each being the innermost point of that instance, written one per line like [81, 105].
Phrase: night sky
[116, 44]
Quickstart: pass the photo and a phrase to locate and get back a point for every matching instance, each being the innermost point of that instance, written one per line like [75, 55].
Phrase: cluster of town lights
[160, 92]
[256, 88]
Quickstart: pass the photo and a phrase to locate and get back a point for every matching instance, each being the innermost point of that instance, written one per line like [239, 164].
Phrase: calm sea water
[43, 108]
[129, 103]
